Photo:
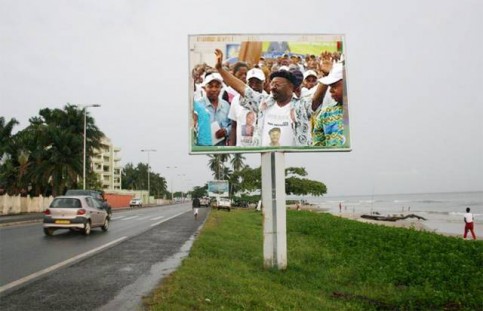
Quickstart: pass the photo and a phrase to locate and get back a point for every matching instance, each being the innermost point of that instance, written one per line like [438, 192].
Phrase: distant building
[106, 163]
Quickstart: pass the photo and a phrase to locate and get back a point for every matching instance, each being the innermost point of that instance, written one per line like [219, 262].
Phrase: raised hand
[325, 62]
[219, 58]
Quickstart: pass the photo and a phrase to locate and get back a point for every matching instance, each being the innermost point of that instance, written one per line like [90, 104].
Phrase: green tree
[129, 178]
[136, 178]
[7, 154]
[237, 162]
[6, 136]
[302, 186]
[249, 179]
[63, 140]
[217, 165]
[54, 144]
[199, 191]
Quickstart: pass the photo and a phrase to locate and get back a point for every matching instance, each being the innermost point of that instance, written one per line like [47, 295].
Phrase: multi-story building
[106, 163]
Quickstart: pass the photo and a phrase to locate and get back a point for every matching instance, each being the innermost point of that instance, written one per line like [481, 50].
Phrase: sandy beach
[410, 223]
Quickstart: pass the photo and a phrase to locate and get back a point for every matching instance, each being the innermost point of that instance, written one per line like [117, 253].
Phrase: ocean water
[443, 211]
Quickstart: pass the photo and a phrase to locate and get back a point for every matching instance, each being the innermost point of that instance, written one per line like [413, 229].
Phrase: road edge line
[56, 266]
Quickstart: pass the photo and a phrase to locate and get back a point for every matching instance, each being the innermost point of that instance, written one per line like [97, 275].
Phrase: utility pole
[149, 185]
[84, 149]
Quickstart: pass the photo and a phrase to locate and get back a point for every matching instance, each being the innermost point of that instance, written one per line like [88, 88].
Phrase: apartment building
[106, 163]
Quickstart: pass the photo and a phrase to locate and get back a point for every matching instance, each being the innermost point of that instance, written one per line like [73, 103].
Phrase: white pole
[274, 210]
[84, 148]
[149, 185]
[171, 177]
[84, 152]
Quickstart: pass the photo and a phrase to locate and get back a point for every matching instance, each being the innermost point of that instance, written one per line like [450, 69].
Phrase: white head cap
[336, 74]
[256, 73]
[214, 76]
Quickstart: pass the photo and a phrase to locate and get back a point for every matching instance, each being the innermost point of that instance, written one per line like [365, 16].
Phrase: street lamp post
[173, 167]
[149, 185]
[84, 149]
[181, 175]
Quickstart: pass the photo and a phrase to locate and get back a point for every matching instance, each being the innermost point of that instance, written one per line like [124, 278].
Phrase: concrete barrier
[10, 205]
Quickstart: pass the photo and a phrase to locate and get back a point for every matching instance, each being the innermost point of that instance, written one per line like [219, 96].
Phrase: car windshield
[66, 203]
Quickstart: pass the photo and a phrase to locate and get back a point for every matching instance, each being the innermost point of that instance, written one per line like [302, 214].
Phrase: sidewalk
[9, 220]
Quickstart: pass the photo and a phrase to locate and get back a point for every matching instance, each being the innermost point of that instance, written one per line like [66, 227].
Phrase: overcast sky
[414, 77]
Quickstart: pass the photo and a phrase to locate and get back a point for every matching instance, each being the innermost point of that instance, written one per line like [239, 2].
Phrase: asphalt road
[103, 271]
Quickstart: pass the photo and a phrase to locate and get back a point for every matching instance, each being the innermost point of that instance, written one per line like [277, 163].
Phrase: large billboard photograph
[218, 188]
[261, 93]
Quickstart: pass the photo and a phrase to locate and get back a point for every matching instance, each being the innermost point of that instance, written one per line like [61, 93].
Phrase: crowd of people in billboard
[283, 102]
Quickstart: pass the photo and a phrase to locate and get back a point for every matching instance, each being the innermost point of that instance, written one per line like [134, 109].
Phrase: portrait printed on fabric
[261, 93]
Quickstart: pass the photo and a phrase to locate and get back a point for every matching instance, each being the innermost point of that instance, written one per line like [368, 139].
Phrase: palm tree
[237, 162]
[55, 141]
[48, 153]
[227, 172]
[23, 161]
[61, 165]
[7, 155]
[216, 164]
[6, 135]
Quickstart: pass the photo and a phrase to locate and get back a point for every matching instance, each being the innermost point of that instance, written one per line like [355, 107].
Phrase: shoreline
[412, 223]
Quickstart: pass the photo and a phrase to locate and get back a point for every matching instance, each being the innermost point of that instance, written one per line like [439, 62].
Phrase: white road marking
[156, 218]
[160, 222]
[57, 266]
[132, 217]
[117, 217]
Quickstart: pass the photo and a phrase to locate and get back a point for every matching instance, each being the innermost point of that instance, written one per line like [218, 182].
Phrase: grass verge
[333, 264]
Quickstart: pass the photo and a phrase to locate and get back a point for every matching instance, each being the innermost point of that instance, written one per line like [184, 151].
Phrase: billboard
[218, 188]
[262, 93]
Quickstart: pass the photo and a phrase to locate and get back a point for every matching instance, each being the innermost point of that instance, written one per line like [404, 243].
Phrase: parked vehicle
[205, 201]
[136, 203]
[97, 195]
[79, 213]
[223, 203]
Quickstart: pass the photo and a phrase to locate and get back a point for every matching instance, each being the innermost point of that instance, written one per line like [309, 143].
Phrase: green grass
[333, 264]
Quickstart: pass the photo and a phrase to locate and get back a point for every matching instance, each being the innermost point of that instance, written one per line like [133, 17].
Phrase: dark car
[97, 195]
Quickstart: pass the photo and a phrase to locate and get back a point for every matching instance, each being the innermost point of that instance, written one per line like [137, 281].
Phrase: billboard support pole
[274, 211]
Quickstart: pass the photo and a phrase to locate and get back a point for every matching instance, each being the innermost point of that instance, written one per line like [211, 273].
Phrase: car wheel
[87, 228]
[105, 226]
[48, 231]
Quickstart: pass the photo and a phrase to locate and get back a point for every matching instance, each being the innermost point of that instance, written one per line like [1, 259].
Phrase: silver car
[136, 202]
[80, 213]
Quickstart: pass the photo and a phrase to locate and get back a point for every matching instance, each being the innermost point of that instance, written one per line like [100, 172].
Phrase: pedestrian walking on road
[468, 217]
[196, 205]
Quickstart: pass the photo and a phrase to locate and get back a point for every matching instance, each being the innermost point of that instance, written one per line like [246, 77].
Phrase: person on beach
[196, 205]
[468, 217]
